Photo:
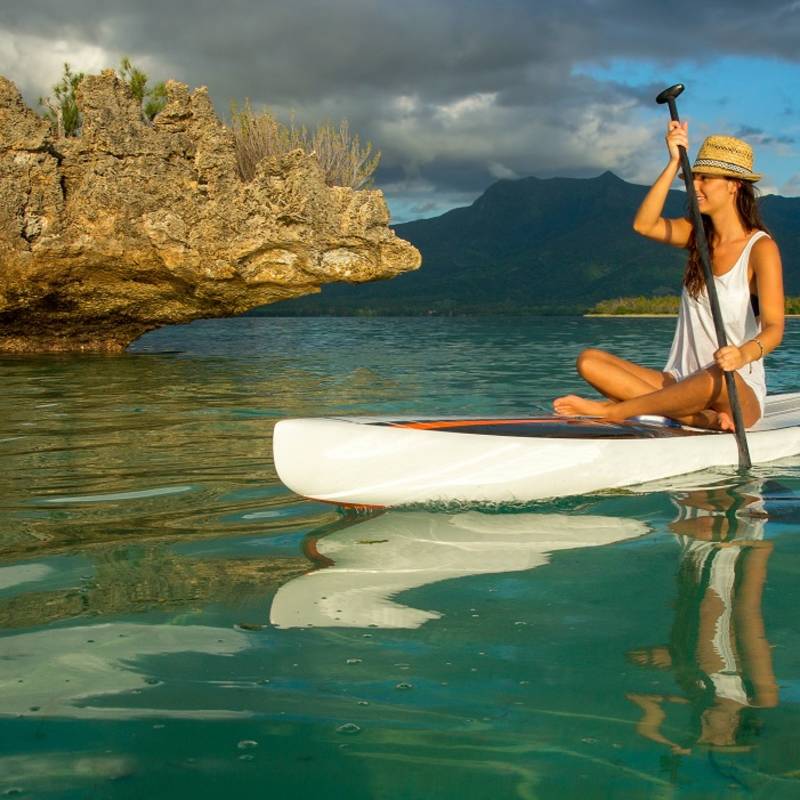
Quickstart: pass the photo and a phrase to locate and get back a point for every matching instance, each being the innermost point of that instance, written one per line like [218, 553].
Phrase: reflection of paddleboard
[376, 559]
[375, 461]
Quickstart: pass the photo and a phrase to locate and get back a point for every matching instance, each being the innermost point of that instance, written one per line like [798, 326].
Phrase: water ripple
[104, 498]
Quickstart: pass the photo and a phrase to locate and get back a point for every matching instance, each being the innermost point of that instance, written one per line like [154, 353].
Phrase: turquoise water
[175, 623]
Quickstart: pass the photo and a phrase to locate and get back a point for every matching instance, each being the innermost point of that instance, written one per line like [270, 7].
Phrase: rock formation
[132, 225]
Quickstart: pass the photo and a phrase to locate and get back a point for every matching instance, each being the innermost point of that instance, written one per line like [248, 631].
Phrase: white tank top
[695, 340]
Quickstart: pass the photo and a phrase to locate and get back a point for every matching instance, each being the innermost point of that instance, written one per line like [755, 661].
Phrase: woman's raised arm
[648, 220]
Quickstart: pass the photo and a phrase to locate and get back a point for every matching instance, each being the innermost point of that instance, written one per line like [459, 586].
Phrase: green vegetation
[152, 100]
[340, 154]
[62, 110]
[344, 160]
[667, 304]
[284, 309]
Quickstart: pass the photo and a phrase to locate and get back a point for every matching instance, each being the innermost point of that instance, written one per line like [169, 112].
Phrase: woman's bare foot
[573, 406]
[725, 422]
[713, 420]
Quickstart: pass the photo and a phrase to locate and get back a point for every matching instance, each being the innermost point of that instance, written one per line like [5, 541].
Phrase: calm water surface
[175, 623]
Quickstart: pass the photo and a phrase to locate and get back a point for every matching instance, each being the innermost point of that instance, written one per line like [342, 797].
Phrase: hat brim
[721, 172]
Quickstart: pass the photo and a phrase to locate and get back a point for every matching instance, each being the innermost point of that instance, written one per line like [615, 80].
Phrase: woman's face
[713, 192]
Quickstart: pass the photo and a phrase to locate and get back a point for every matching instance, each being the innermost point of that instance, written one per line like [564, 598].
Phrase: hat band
[710, 162]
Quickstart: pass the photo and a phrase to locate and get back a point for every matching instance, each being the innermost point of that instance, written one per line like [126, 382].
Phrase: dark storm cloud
[312, 49]
[455, 93]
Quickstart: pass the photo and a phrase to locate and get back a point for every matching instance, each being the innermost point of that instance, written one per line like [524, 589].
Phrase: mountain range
[554, 246]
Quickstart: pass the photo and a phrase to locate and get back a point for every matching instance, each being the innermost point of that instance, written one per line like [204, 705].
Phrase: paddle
[668, 96]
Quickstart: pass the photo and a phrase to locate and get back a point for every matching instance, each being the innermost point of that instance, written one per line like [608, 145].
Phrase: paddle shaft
[716, 313]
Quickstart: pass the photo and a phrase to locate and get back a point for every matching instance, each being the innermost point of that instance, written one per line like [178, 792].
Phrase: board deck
[554, 427]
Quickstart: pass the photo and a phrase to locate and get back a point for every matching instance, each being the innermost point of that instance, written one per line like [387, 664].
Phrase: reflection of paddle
[668, 96]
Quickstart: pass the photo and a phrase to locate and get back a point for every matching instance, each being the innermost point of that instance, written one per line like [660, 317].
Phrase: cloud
[759, 136]
[455, 93]
[44, 60]
[791, 187]
[498, 170]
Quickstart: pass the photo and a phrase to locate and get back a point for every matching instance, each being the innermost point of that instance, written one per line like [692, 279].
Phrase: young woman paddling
[747, 269]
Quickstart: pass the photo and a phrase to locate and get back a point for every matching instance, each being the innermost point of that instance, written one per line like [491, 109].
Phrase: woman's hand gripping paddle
[668, 96]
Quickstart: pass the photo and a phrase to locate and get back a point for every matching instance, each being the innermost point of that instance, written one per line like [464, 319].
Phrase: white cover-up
[695, 340]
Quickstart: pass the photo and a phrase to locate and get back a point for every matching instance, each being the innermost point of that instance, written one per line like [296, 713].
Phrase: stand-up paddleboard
[382, 462]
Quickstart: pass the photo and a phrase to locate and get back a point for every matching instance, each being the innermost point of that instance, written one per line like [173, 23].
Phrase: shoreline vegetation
[663, 306]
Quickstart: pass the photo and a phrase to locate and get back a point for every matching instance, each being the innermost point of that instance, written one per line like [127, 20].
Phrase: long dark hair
[749, 214]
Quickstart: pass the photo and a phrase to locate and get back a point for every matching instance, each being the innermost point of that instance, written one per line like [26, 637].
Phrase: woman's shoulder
[765, 251]
[764, 243]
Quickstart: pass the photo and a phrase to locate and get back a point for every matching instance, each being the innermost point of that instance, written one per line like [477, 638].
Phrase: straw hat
[726, 156]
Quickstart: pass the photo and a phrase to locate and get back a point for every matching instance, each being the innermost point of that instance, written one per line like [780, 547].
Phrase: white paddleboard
[383, 462]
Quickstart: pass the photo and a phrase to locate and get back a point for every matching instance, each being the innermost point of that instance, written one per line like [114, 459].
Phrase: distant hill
[553, 246]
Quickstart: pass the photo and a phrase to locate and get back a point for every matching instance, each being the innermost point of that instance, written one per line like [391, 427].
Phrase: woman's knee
[589, 358]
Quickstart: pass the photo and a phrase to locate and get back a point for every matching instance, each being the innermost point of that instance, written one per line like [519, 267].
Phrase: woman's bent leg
[612, 376]
[700, 399]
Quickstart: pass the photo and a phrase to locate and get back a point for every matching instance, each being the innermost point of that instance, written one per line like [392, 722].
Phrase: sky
[456, 94]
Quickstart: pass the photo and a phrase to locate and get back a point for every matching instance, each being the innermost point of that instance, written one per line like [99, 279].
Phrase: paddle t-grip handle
[668, 96]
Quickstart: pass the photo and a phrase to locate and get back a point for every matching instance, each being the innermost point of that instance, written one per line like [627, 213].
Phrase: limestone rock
[133, 225]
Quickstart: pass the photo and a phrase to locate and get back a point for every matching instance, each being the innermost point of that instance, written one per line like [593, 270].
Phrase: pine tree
[152, 99]
[61, 109]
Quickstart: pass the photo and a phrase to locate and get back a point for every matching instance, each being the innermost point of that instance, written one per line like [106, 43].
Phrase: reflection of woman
[718, 649]
[746, 265]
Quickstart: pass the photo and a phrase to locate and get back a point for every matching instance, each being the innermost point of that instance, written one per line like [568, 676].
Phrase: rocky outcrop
[132, 225]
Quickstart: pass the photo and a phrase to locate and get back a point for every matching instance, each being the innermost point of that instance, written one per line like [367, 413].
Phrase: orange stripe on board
[354, 506]
[466, 423]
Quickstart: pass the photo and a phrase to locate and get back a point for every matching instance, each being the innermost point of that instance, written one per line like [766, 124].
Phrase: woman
[747, 268]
